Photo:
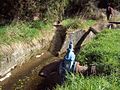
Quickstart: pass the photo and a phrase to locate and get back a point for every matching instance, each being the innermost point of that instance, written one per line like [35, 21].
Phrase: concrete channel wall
[76, 37]
[18, 53]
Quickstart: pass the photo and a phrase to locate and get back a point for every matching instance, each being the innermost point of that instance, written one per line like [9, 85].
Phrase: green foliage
[91, 83]
[76, 23]
[18, 31]
[41, 25]
[103, 51]
[49, 9]
[2, 34]
[90, 22]
[56, 9]
[71, 23]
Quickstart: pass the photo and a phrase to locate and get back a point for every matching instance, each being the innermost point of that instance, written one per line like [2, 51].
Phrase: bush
[103, 51]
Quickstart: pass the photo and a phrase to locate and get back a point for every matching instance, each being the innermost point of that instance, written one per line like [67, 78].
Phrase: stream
[26, 77]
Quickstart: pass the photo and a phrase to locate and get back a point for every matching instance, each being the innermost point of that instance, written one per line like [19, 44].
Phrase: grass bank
[77, 23]
[22, 31]
[111, 82]
[26, 31]
[104, 52]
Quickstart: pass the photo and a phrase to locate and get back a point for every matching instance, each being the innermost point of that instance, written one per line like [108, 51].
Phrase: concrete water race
[33, 54]
[26, 76]
[22, 62]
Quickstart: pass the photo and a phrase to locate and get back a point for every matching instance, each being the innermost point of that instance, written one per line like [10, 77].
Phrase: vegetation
[76, 23]
[103, 51]
[50, 10]
[116, 4]
[22, 31]
[91, 83]
[26, 31]
[40, 25]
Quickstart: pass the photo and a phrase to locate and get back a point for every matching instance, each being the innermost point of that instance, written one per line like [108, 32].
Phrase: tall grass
[91, 83]
[22, 31]
[41, 25]
[75, 23]
[103, 51]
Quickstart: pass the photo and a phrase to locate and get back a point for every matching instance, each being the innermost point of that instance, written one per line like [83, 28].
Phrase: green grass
[78, 23]
[103, 51]
[91, 83]
[17, 32]
[42, 25]
[22, 31]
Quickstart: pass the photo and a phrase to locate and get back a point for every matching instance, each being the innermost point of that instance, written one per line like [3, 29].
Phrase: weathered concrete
[18, 53]
[58, 39]
[62, 38]
[74, 36]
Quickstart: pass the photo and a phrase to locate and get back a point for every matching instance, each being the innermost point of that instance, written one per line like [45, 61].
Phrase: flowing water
[26, 77]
